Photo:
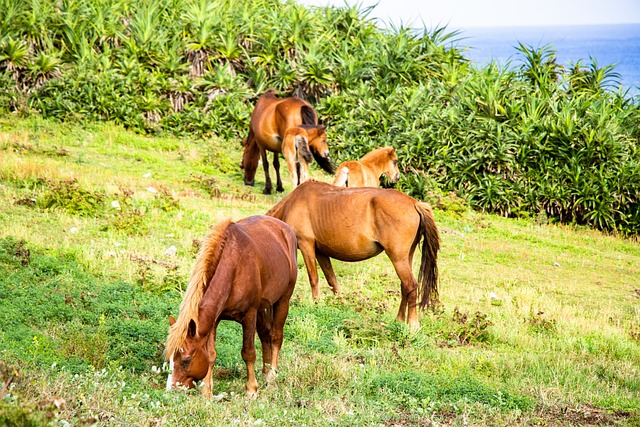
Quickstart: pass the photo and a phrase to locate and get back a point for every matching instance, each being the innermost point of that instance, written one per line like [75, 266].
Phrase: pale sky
[457, 14]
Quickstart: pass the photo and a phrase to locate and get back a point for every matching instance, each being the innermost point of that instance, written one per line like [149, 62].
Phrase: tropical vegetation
[529, 138]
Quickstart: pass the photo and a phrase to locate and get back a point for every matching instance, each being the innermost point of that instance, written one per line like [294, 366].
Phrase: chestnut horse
[354, 224]
[288, 126]
[367, 171]
[245, 271]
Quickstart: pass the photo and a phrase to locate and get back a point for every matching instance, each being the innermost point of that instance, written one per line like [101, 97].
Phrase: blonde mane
[206, 264]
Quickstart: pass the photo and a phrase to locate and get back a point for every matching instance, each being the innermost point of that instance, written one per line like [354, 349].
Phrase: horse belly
[350, 250]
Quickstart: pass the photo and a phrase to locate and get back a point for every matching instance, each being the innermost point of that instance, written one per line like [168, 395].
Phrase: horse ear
[191, 331]
[321, 129]
[171, 320]
[393, 150]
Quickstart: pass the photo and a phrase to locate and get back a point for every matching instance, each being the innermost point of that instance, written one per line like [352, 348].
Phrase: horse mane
[206, 264]
[324, 162]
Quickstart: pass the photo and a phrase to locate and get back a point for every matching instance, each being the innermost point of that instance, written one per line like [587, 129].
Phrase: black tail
[324, 162]
[428, 276]
[309, 116]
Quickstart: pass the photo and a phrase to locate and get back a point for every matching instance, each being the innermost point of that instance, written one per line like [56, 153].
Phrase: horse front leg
[249, 351]
[276, 166]
[327, 269]
[309, 255]
[207, 382]
[267, 178]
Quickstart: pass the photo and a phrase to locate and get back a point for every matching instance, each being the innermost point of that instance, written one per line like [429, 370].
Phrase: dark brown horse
[354, 224]
[245, 271]
[288, 126]
[367, 171]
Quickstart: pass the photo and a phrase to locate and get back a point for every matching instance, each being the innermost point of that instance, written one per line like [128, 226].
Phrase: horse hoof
[250, 183]
[267, 191]
[280, 189]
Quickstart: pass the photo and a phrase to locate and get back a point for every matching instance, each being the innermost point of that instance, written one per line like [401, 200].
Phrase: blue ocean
[607, 44]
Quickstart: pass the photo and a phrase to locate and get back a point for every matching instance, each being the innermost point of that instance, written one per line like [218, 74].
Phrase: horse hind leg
[276, 166]
[280, 312]
[264, 326]
[268, 187]
[409, 291]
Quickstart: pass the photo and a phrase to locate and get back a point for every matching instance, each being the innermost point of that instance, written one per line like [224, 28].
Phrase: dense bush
[526, 139]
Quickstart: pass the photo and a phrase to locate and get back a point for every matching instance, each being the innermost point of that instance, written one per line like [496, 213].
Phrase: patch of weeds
[149, 271]
[363, 333]
[67, 195]
[219, 158]
[126, 217]
[462, 329]
[634, 333]
[207, 184]
[540, 325]
[412, 389]
[14, 252]
[164, 200]
[86, 342]
[20, 415]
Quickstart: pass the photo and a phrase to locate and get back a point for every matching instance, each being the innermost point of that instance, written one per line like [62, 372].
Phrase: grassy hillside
[540, 324]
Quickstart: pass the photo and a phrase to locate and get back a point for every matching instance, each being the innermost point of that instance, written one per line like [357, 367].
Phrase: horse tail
[250, 158]
[303, 153]
[428, 276]
[308, 115]
[204, 269]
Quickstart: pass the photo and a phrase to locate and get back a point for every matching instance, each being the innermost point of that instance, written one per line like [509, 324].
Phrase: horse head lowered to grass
[367, 171]
[288, 126]
[246, 272]
[354, 224]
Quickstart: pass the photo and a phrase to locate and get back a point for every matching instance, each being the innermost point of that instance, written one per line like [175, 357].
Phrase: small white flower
[115, 204]
[116, 244]
[152, 190]
[73, 230]
[147, 175]
[171, 251]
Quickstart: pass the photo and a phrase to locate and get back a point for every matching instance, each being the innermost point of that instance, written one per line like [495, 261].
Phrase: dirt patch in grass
[581, 415]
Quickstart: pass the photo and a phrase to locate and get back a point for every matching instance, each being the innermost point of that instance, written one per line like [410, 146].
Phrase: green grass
[540, 324]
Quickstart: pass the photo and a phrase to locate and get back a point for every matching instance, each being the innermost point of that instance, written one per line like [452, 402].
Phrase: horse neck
[215, 298]
[374, 166]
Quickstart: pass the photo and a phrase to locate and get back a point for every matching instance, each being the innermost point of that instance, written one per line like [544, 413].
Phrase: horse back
[259, 262]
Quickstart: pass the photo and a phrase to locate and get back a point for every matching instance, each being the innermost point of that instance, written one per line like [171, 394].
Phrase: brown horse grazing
[245, 271]
[354, 224]
[288, 126]
[367, 171]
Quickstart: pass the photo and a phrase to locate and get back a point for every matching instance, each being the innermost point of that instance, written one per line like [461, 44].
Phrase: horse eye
[185, 362]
